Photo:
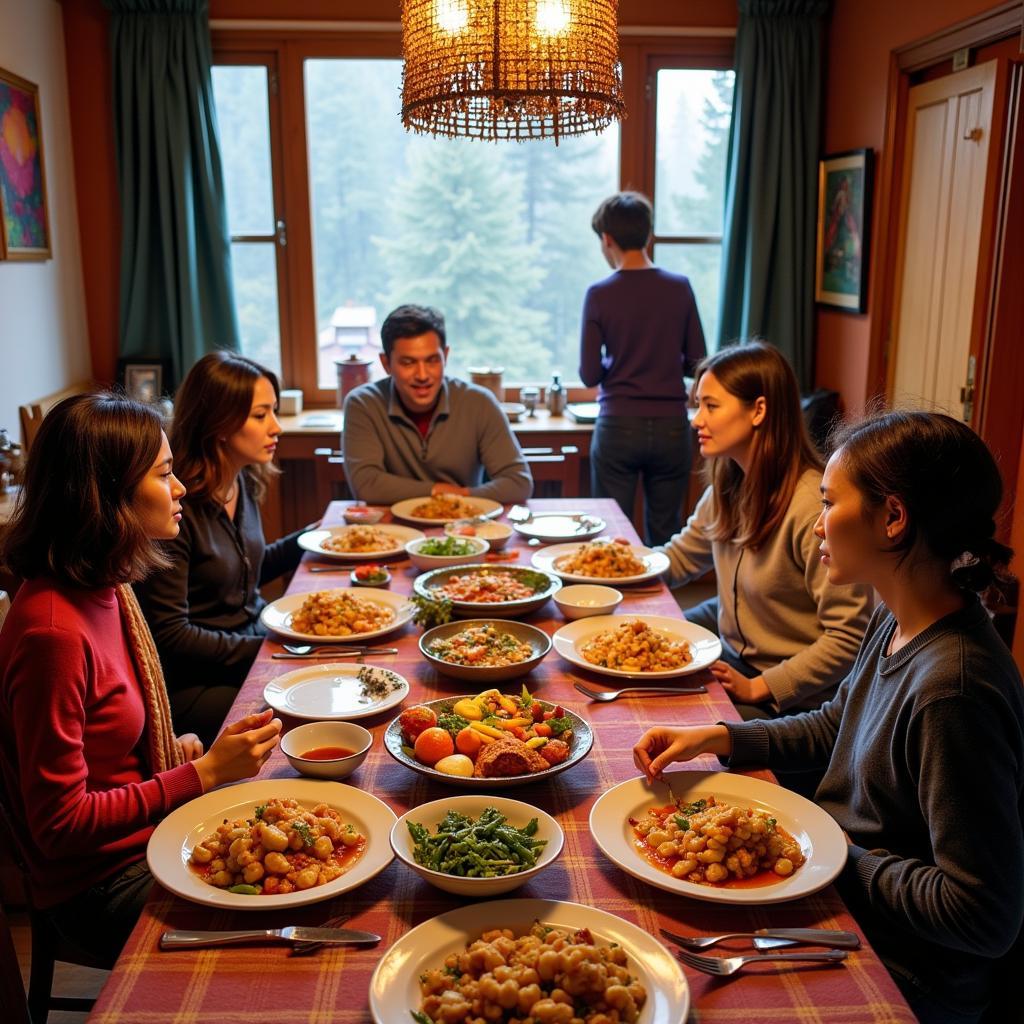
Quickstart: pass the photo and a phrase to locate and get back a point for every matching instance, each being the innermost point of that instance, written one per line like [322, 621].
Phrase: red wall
[862, 35]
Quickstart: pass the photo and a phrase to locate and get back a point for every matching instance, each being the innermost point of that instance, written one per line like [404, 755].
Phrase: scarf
[164, 750]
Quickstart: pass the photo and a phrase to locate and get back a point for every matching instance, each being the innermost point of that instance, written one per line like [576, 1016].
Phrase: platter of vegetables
[488, 740]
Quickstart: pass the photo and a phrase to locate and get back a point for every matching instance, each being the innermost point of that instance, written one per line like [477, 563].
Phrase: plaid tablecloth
[247, 984]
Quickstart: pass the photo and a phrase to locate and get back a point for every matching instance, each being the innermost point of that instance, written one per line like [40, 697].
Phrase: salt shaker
[556, 396]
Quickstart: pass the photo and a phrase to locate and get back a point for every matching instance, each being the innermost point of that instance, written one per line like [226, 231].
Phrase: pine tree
[458, 244]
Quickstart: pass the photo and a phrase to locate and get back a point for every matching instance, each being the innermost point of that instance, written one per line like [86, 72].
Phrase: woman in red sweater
[88, 759]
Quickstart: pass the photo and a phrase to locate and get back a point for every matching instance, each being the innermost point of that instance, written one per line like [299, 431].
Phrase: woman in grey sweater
[923, 745]
[789, 634]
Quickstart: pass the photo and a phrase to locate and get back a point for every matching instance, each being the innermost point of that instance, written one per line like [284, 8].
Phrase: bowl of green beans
[477, 846]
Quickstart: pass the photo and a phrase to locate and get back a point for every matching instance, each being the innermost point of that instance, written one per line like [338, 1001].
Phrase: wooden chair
[47, 945]
[32, 414]
[555, 473]
[331, 485]
[12, 990]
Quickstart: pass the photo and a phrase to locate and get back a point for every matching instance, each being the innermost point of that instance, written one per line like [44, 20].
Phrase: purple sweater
[641, 333]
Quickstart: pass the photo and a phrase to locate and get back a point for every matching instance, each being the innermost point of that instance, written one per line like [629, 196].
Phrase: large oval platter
[544, 583]
[582, 741]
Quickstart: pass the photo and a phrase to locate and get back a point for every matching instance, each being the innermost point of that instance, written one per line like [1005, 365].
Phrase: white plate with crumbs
[170, 845]
[395, 988]
[336, 692]
[279, 615]
[705, 647]
[820, 837]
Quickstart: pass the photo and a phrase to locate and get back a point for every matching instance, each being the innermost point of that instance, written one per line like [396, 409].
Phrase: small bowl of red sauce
[327, 750]
[356, 514]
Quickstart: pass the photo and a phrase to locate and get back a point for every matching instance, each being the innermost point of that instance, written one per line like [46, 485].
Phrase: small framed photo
[844, 223]
[143, 379]
[24, 223]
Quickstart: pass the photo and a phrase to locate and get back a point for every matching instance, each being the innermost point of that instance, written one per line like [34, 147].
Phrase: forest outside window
[496, 236]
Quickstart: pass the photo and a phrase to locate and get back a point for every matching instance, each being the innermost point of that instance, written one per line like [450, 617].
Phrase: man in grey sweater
[419, 432]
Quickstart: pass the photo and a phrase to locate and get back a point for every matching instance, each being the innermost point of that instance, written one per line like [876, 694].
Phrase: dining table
[265, 983]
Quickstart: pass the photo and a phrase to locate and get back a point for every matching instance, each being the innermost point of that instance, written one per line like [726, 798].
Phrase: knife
[332, 936]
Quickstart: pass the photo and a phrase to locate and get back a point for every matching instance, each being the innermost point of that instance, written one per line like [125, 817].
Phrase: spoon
[310, 648]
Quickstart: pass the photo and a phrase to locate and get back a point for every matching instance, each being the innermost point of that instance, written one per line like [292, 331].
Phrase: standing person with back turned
[641, 335]
[204, 609]
[419, 432]
[88, 758]
[923, 745]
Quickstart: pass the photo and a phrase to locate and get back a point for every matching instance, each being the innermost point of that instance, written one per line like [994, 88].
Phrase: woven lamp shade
[510, 69]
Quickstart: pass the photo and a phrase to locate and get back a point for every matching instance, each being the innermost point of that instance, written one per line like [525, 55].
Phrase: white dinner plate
[706, 647]
[395, 988]
[485, 508]
[655, 563]
[278, 614]
[171, 843]
[313, 540]
[820, 838]
[552, 527]
[330, 692]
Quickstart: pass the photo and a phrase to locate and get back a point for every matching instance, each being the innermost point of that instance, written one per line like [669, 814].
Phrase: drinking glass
[529, 398]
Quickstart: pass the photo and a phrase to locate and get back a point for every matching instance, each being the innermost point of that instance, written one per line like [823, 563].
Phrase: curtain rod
[279, 25]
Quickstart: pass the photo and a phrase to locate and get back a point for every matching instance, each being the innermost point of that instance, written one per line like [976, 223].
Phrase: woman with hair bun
[923, 745]
[88, 759]
[789, 634]
[204, 609]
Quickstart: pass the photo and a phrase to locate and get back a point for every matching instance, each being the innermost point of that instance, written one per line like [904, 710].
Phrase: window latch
[282, 234]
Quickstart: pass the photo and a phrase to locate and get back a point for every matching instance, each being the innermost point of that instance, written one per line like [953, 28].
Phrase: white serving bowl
[303, 738]
[518, 814]
[584, 599]
[363, 515]
[496, 534]
[427, 562]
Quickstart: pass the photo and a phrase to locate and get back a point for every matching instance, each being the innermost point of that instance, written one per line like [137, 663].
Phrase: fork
[305, 948]
[607, 695]
[725, 965]
[773, 936]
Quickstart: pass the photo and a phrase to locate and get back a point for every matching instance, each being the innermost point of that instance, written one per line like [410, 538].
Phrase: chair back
[32, 413]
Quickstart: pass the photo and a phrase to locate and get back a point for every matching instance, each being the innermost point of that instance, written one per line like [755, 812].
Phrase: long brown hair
[213, 402]
[750, 506]
[948, 480]
[74, 520]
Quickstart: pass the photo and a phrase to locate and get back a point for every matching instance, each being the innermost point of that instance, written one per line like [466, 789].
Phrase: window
[361, 216]
[694, 107]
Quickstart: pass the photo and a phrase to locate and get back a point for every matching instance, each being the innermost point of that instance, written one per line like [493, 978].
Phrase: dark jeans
[652, 449]
[100, 920]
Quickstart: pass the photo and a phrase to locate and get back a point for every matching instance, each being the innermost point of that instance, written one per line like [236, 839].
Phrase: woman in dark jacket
[204, 610]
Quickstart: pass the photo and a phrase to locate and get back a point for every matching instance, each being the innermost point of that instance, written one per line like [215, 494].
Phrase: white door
[949, 124]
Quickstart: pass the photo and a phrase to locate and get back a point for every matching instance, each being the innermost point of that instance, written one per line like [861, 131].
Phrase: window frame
[286, 52]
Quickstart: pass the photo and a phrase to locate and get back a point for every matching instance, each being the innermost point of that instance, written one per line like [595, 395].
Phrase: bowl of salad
[495, 591]
[370, 575]
[428, 553]
[485, 650]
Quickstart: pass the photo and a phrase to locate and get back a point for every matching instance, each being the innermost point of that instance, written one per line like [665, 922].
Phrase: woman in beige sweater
[789, 637]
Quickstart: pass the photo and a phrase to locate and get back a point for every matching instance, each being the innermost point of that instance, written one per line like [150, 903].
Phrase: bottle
[556, 396]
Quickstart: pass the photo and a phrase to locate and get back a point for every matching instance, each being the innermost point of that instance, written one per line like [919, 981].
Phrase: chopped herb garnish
[303, 830]
[260, 810]
[683, 823]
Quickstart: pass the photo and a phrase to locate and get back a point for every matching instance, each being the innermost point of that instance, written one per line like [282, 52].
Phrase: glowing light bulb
[452, 15]
[552, 16]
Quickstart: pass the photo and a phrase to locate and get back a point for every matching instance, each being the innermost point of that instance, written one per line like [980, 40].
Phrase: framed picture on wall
[24, 224]
[143, 379]
[844, 223]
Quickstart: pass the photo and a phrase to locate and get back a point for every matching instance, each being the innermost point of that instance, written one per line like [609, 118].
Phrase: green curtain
[771, 195]
[176, 294]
